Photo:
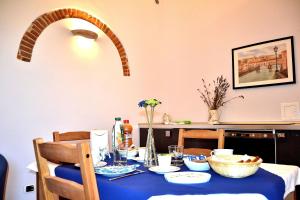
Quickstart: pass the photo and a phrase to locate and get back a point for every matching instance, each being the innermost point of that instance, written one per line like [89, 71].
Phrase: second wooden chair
[201, 134]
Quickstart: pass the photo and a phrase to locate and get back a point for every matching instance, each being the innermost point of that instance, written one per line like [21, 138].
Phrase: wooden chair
[57, 137]
[201, 134]
[74, 135]
[54, 187]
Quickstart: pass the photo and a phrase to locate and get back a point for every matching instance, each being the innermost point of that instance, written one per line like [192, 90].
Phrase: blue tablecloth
[145, 185]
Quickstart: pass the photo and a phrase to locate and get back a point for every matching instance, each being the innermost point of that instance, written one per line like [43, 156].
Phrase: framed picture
[264, 64]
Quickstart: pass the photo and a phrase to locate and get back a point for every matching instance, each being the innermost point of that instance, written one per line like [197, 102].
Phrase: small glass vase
[150, 152]
[213, 116]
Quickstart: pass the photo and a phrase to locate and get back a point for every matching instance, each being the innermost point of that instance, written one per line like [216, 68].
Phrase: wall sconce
[85, 33]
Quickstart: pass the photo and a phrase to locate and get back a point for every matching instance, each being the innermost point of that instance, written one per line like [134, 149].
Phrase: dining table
[271, 181]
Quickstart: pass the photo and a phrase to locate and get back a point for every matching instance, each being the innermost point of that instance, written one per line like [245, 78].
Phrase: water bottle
[117, 136]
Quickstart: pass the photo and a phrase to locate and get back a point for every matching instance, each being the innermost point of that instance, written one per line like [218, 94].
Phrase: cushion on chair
[3, 172]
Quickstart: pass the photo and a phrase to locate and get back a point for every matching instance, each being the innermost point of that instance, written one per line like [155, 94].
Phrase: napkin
[99, 145]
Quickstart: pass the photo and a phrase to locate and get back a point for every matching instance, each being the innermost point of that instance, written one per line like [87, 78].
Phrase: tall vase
[213, 117]
[150, 153]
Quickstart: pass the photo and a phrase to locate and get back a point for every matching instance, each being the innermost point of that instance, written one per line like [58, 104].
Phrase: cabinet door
[162, 138]
[288, 150]
[263, 148]
[288, 147]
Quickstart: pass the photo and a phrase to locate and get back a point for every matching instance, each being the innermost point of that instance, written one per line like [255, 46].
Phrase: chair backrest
[3, 176]
[201, 134]
[54, 187]
[67, 136]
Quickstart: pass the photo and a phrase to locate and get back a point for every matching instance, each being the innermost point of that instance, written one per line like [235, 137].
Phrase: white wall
[170, 47]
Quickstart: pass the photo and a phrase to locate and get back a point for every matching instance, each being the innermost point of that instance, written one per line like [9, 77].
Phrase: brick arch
[39, 24]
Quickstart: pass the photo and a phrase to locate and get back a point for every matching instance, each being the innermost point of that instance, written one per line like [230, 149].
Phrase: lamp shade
[85, 33]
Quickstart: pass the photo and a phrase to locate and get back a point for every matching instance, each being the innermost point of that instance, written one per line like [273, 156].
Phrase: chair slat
[67, 136]
[201, 134]
[65, 188]
[197, 151]
[62, 152]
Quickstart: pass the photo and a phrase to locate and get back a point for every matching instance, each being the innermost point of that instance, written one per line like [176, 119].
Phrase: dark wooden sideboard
[274, 142]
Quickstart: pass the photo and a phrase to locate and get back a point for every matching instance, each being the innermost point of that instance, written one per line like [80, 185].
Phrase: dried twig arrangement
[216, 98]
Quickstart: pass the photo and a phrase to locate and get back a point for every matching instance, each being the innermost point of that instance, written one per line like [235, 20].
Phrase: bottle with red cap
[127, 130]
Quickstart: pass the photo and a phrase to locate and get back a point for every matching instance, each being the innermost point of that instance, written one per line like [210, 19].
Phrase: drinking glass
[177, 154]
[120, 155]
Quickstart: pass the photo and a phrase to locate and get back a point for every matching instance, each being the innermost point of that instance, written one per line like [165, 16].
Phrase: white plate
[99, 164]
[187, 177]
[113, 171]
[164, 170]
[138, 159]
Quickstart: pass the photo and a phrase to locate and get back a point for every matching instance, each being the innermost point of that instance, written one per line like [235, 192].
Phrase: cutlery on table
[138, 171]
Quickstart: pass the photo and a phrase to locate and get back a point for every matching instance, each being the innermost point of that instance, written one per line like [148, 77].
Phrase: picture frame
[265, 63]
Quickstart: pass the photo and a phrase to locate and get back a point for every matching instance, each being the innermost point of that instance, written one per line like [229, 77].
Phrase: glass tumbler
[177, 154]
[120, 155]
